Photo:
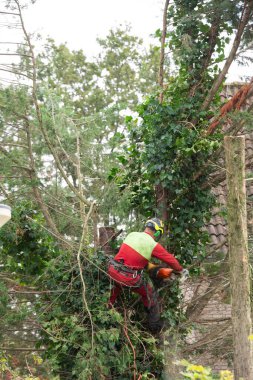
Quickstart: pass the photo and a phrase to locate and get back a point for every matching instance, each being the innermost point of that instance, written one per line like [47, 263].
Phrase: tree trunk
[106, 235]
[172, 355]
[238, 257]
[161, 66]
[95, 229]
[245, 17]
[160, 191]
[162, 203]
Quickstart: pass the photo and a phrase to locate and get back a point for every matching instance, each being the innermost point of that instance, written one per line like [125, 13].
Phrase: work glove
[184, 274]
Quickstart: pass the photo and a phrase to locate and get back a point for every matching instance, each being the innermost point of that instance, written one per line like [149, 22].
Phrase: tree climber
[127, 267]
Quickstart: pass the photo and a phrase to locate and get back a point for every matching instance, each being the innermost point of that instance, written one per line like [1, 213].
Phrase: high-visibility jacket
[139, 247]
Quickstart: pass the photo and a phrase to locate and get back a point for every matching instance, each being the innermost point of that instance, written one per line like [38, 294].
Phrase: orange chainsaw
[159, 272]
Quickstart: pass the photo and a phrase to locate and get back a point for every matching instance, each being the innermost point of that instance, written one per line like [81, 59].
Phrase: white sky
[80, 22]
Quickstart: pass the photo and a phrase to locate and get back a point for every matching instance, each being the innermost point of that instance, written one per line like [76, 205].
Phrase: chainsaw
[160, 274]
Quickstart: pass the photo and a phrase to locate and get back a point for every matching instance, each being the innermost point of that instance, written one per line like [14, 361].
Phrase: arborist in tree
[126, 268]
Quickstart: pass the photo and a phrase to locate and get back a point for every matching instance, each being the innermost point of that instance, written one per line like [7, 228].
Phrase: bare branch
[34, 179]
[4, 191]
[39, 115]
[9, 13]
[161, 67]
[40, 291]
[21, 349]
[246, 14]
[18, 54]
[15, 72]
[11, 43]
[84, 236]
[14, 145]
[211, 337]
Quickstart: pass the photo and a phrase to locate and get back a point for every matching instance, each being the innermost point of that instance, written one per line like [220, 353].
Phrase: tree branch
[161, 66]
[39, 115]
[8, 155]
[235, 103]
[246, 14]
[9, 13]
[34, 179]
[21, 349]
[84, 235]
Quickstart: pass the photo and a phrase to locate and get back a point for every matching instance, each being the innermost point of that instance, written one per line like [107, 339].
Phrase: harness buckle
[137, 273]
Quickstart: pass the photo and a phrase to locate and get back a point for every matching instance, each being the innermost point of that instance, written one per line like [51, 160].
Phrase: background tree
[63, 134]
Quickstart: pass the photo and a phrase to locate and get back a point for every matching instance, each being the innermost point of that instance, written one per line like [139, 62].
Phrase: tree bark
[106, 235]
[246, 15]
[171, 356]
[160, 191]
[238, 257]
[162, 203]
[162, 54]
[34, 180]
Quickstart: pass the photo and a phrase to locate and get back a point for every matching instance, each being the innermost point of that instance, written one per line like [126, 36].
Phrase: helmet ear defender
[156, 225]
[157, 234]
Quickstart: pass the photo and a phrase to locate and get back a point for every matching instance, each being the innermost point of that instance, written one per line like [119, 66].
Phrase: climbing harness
[121, 268]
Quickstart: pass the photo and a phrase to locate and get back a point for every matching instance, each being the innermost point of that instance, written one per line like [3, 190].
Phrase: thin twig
[131, 344]
[81, 273]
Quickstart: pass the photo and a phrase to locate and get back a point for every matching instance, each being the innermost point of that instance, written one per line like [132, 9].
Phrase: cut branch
[235, 103]
[212, 337]
[199, 301]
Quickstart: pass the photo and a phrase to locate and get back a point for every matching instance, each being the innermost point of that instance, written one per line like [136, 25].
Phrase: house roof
[217, 226]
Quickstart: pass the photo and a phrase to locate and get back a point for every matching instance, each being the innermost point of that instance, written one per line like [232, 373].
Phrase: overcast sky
[80, 22]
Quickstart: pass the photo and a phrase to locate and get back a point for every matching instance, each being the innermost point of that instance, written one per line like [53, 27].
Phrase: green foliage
[3, 299]
[76, 96]
[67, 325]
[7, 362]
[165, 145]
[67, 330]
[25, 245]
[94, 94]
[164, 152]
